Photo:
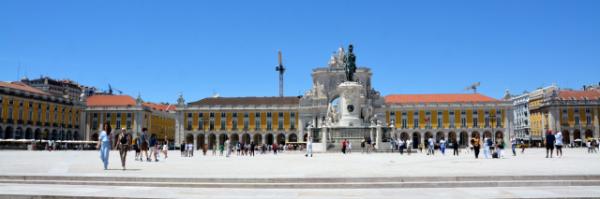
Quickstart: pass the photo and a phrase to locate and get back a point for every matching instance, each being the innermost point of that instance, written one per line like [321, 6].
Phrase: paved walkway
[151, 192]
[292, 165]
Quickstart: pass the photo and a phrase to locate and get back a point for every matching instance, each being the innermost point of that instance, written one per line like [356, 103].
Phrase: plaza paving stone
[295, 165]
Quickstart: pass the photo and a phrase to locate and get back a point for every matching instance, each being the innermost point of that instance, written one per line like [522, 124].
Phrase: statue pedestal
[350, 104]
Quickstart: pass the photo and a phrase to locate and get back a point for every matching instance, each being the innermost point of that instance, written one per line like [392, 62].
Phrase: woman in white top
[104, 144]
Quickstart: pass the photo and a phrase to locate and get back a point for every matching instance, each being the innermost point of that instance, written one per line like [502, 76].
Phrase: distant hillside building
[63, 88]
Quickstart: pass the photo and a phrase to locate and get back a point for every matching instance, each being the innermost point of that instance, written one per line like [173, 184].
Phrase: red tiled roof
[23, 87]
[579, 95]
[110, 100]
[248, 101]
[160, 107]
[436, 98]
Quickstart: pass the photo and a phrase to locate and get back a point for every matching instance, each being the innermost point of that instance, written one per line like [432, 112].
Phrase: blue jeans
[104, 150]
[486, 152]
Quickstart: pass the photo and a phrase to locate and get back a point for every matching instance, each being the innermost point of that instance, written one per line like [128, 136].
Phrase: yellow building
[459, 117]
[122, 111]
[263, 120]
[573, 112]
[30, 113]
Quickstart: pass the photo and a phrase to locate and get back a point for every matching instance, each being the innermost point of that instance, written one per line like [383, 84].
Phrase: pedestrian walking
[549, 143]
[430, 146]
[558, 143]
[153, 147]
[401, 146]
[182, 148]
[475, 141]
[443, 146]
[344, 146]
[487, 144]
[513, 145]
[455, 147]
[165, 148]
[309, 146]
[362, 145]
[227, 147]
[123, 146]
[349, 149]
[252, 145]
[104, 144]
[144, 139]
[136, 147]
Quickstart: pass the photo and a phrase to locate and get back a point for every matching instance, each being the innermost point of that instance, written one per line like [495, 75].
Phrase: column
[324, 138]
[300, 127]
[378, 137]
[596, 122]
[195, 141]
[424, 139]
[264, 138]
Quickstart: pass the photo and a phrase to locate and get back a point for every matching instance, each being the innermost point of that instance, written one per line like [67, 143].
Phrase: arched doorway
[577, 137]
[37, 134]
[8, 133]
[46, 135]
[1, 133]
[404, 136]
[212, 141]
[269, 139]
[246, 138]
[199, 141]
[76, 136]
[257, 139]
[499, 135]
[428, 135]
[69, 136]
[475, 134]
[452, 137]
[19, 133]
[439, 136]
[281, 138]
[589, 134]
[416, 140]
[293, 137]
[235, 138]
[189, 138]
[94, 136]
[463, 139]
[222, 138]
[28, 133]
[487, 134]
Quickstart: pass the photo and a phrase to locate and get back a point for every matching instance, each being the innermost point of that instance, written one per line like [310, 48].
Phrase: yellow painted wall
[252, 121]
[446, 116]
[422, 119]
[434, 118]
[411, 123]
[286, 121]
[457, 118]
[263, 121]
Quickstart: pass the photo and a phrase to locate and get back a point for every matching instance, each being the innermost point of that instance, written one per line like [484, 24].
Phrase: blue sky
[161, 48]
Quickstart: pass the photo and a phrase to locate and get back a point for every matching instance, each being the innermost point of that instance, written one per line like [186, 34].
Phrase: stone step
[314, 183]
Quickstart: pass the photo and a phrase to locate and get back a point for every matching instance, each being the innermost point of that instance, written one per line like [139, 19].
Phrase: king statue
[350, 66]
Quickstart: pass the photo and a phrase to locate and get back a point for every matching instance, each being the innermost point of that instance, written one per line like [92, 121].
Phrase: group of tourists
[145, 147]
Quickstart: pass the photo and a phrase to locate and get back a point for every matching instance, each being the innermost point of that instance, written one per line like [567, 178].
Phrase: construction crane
[473, 87]
[110, 90]
[281, 70]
